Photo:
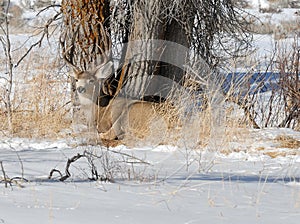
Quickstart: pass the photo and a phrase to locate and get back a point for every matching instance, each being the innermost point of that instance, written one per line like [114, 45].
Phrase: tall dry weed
[40, 99]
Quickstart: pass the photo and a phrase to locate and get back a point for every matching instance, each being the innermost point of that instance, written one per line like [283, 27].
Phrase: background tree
[6, 45]
[207, 28]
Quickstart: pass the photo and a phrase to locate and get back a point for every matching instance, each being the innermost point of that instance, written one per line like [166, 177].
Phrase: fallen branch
[90, 158]
[10, 181]
[67, 172]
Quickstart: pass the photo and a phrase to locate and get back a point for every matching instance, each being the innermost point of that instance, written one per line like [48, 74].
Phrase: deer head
[91, 86]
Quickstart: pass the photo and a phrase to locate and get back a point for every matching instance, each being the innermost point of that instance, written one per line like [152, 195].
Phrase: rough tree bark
[85, 38]
[82, 38]
[178, 27]
[207, 27]
[137, 68]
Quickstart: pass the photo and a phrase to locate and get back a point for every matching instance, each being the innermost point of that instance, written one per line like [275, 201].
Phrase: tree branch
[4, 174]
[45, 33]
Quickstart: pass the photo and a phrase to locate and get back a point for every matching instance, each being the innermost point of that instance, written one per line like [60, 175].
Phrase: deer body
[113, 117]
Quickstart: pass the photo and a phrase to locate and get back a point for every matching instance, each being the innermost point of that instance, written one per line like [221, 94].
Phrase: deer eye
[91, 81]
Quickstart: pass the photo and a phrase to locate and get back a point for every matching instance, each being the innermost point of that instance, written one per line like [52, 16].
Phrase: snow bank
[259, 4]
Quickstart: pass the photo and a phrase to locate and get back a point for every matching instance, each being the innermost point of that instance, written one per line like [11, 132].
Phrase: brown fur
[129, 117]
[120, 117]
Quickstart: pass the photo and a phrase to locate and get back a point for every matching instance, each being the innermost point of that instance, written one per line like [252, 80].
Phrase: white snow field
[250, 177]
[174, 186]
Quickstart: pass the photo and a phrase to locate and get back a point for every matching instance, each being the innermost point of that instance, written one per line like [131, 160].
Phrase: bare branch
[4, 174]
[44, 34]
[72, 160]
[48, 7]
[104, 158]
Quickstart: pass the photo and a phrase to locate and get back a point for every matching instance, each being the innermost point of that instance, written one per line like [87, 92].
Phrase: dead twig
[10, 181]
[107, 176]
[4, 174]
[129, 156]
[67, 172]
[54, 171]
[89, 157]
[44, 33]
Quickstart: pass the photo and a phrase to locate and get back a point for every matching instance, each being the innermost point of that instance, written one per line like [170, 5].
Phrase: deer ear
[104, 71]
[106, 88]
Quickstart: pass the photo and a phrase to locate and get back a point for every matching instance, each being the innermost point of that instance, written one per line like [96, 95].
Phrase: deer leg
[109, 135]
[115, 132]
[117, 129]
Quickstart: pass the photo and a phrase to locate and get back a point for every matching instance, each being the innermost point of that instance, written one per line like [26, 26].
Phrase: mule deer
[115, 116]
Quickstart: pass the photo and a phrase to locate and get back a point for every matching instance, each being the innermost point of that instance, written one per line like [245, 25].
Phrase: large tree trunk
[168, 70]
[141, 50]
[153, 62]
[83, 39]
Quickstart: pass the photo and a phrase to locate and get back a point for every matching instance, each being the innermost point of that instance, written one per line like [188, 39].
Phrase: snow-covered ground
[250, 176]
[174, 185]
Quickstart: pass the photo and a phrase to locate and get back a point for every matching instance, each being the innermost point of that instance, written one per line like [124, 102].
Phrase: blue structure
[245, 83]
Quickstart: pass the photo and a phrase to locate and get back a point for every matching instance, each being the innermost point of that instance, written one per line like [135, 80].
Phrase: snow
[247, 178]
[179, 185]
[259, 3]
[285, 15]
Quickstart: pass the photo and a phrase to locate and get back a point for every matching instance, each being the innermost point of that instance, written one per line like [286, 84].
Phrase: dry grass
[30, 124]
[286, 141]
[40, 99]
[275, 154]
[159, 125]
[281, 30]
[39, 111]
[281, 3]
[214, 126]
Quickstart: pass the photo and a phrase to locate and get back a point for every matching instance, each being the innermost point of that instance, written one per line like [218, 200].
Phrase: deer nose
[81, 89]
